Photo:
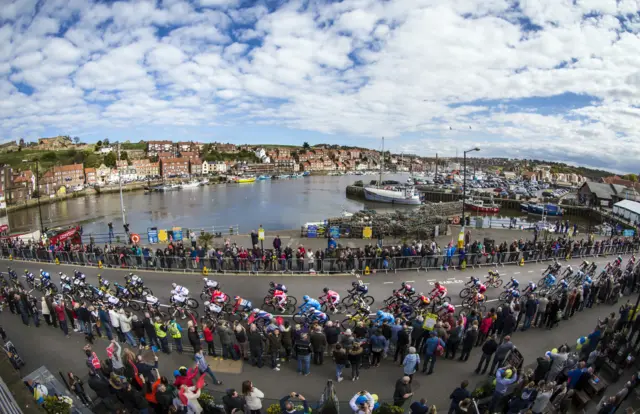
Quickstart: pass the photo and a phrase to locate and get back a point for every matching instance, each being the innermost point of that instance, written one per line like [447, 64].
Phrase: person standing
[541, 312]
[501, 353]
[411, 363]
[430, 352]
[46, 314]
[226, 339]
[274, 342]
[243, 343]
[193, 336]
[303, 352]
[378, 344]
[355, 359]
[252, 397]
[402, 392]
[161, 333]
[402, 343]
[256, 345]
[207, 331]
[459, 394]
[150, 331]
[137, 326]
[125, 327]
[488, 349]
[114, 319]
[469, 340]
[105, 321]
[62, 318]
[341, 359]
[319, 344]
[174, 330]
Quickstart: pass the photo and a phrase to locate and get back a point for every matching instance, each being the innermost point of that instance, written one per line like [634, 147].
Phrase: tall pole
[124, 218]
[464, 184]
[39, 208]
[436, 165]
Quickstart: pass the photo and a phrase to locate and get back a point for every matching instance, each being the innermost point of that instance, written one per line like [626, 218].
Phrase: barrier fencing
[237, 265]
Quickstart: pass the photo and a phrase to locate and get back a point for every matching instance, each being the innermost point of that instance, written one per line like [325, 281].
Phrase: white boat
[192, 184]
[391, 195]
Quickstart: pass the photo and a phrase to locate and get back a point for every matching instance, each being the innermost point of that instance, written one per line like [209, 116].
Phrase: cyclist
[243, 305]
[210, 283]
[587, 281]
[78, 275]
[584, 265]
[567, 272]
[112, 300]
[359, 288]
[133, 280]
[277, 286]
[103, 284]
[179, 301]
[45, 278]
[121, 290]
[438, 291]
[179, 290]
[513, 283]
[531, 287]
[549, 280]
[407, 289]
[218, 296]
[331, 296]
[617, 262]
[260, 314]
[479, 296]
[473, 281]
[151, 301]
[64, 278]
[382, 317]
[493, 274]
[28, 275]
[445, 309]
[319, 316]
[280, 297]
[423, 300]
[66, 287]
[309, 303]
[212, 308]
[564, 284]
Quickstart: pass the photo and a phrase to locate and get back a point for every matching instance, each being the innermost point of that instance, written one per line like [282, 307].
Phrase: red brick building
[173, 167]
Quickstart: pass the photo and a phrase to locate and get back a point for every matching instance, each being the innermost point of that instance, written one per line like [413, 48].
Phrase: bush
[274, 409]
[55, 405]
[386, 408]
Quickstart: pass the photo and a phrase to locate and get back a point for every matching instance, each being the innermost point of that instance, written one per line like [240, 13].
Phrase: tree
[631, 177]
[124, 155]
[98, 145]
[76, 140]
[205, 239]
[306, 145]
[105, 142]
[110, 159]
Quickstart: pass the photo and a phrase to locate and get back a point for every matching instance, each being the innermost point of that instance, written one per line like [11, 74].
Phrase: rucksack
[439, 350]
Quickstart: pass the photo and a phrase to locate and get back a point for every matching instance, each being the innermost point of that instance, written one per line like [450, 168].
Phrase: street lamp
[38, 189]
[464, 182]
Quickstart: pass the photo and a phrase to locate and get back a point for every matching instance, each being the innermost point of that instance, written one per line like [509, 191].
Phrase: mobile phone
[296, 395]
[596, 380]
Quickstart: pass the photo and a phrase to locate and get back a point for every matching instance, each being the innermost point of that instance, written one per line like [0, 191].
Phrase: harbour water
[277, 205]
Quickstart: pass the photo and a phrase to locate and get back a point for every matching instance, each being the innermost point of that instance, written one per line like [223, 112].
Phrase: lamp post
[464, 181]
[38, 198]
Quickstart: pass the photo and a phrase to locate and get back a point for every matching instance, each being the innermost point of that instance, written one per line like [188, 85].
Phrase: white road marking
[448, 282]
[387, 283]
[431, 280]
[529, 271]
[516, 273]
[492, 300]
[410, 281]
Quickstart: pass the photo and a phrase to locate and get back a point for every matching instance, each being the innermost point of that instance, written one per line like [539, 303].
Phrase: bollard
[57, 261]
[205, 271]
[100, 264]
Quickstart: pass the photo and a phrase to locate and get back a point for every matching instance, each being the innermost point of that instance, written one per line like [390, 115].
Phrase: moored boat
[481, 207]
[406, 195]
[551, 210]
[243, 180]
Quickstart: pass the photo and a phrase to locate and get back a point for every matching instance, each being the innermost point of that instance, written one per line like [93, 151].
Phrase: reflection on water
[276, 204]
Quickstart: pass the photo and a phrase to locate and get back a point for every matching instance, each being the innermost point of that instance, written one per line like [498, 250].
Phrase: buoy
[100, 264]
[57, 261]
[367, 271]
[456, 220]
[135, 238]
[205, 271]
[522, 261]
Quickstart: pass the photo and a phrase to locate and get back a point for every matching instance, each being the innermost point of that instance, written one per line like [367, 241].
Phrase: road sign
[261, 234]
[628, 233]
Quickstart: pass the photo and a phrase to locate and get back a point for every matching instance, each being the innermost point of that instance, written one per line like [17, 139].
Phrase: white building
[205, 168]
[105, 150]
[262, 155]
[628, 209]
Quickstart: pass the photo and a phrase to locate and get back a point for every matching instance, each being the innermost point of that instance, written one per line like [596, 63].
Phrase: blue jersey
[264, 315]
[311, 303]
[362, 289]
[45, 275]
[319, 316]
[550, 279]
[564, 283]
[515, 283]
[384, 317]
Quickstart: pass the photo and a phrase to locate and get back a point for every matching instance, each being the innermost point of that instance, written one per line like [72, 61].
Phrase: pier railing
[237, 265]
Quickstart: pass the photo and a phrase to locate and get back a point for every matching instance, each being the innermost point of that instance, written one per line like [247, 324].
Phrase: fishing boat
[243, 180]
[481, 207]
[551, 210]
[390, 193]
[306, 173]
[264, 177]
[167, 187]
[284, 176]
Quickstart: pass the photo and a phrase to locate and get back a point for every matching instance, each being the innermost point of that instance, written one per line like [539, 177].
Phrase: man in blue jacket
[504, 377]
[430, 347]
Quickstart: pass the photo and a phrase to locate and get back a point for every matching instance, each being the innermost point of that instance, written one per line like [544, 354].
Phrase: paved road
[47, 346]
[255, 288]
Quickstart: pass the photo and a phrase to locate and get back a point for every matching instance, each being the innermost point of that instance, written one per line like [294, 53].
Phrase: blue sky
[548, 79]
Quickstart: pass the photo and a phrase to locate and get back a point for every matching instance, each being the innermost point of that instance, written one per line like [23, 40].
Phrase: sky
[546, 79]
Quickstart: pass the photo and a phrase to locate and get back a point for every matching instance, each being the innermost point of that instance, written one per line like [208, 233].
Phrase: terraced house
[69, 175]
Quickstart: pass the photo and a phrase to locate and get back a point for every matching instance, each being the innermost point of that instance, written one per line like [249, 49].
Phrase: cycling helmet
[306, 298]
[173, 285]
[256, 310]
[515, 294]
[207, 303]
[26, 271]
[482, 289]
[412, 291]
[619, 258]
[588, 279]
[41, 270]
[237, 298]
[272, 284]
[60, 273]
[446, 304]
[379, 313]
[403, 284]
[361, 400]
[325, 290]
[354, 284]
[130, 274]
[437, 284]
[205, 279]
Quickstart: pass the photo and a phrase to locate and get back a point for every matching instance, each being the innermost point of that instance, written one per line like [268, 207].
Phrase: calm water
[277, 205]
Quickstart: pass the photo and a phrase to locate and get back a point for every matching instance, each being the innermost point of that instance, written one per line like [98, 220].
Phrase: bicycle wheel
[192, 303]
[290, 309]
[147, 292]
[191, 313]
[135, 306]
[347, 301]
[348, 323]
[447, 299]
[497, 283]
[292, 300]
[53, 288]
[205, 296]
[369, 300]
[465, 292]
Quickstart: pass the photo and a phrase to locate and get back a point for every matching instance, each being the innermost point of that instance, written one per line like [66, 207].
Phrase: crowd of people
[229, 256]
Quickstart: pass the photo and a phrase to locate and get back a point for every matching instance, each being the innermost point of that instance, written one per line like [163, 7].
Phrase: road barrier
[237, 265]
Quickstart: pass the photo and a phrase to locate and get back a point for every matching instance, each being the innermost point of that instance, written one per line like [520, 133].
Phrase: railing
[230, 264]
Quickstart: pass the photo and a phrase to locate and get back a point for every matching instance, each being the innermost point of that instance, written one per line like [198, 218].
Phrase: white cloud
[356, 68]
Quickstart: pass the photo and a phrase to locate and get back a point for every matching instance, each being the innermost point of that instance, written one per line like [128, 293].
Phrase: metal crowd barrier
[228, 264]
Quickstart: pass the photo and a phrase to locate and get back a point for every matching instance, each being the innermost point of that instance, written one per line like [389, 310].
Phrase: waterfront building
[47, 183]
[195, 166]
[285, 163]
[189, 155]
[165, 155]
[69, 175]
[6, 178]
[599, 194]
[174, 167]
[90, 176]
[102, 174]
[146, 168]
[155, 147]
[22, 187]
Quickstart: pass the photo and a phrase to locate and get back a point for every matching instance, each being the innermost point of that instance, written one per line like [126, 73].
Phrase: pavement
[47, 346]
